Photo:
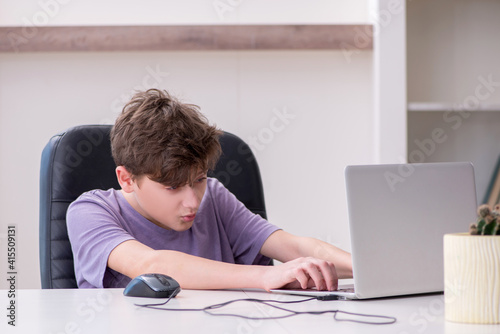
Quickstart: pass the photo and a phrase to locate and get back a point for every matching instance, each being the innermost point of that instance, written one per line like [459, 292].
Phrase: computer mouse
[152, 286]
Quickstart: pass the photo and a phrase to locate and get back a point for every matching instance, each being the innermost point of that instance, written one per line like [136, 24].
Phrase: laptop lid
[398, 215]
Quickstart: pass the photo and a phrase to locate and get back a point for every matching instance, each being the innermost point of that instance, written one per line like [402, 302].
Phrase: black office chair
[79, 160]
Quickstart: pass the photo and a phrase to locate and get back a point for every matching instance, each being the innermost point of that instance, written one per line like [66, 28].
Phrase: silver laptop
[398, 215]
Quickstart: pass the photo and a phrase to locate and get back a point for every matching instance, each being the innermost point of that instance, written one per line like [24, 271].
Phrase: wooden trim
[193, 37]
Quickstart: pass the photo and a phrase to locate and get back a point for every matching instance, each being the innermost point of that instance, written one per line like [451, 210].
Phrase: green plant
[488, 221]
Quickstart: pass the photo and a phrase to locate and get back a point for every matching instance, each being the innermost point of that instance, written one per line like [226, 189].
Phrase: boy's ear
[125, 179]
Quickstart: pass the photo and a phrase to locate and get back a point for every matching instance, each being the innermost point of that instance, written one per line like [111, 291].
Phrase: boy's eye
[200, 180]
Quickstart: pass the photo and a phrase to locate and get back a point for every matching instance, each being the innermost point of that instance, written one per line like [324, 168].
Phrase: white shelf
[443, 106]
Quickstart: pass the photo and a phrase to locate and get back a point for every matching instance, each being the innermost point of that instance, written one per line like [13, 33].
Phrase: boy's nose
[191, 199]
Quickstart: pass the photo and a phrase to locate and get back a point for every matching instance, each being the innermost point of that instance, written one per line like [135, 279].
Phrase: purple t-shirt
[223, 230]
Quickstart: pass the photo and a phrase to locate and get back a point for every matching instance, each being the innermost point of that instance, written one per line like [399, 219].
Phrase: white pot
[472, 278]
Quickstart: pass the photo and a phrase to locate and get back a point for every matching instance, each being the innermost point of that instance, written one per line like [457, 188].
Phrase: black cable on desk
[386, 319]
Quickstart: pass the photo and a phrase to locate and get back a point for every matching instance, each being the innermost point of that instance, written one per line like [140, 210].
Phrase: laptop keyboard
[346, 288]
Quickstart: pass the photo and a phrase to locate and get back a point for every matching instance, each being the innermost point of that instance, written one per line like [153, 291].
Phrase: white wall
[116, 12]
[328, 99]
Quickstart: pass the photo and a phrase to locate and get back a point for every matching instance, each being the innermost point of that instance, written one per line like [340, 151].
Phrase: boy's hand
[302, 273]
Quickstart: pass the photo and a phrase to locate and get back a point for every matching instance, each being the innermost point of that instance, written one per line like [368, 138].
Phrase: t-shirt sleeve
[94, 231]
[245, 230]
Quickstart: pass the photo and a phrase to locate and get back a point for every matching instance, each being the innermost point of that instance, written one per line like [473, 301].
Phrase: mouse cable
[383, 320]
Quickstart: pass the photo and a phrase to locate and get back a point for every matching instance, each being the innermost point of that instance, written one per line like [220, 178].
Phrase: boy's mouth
[188, 218]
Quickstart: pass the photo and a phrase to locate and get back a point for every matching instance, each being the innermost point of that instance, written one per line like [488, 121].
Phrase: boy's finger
[301, 277]
[315, 272]
[330, 275]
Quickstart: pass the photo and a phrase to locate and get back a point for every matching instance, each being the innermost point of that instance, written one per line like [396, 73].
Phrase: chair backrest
[79, 160]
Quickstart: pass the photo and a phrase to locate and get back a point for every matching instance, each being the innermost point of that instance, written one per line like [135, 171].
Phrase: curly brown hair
[164, 139]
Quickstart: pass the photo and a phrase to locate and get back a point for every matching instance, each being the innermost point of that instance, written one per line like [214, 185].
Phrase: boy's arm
[133, 258]
[285, 247]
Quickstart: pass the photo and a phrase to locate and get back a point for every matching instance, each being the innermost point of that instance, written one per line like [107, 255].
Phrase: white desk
[108, 311]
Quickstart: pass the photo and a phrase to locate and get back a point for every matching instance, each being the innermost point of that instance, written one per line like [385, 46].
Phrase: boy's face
[167, 207]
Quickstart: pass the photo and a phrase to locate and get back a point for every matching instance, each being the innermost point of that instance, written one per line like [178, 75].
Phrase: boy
[170, 218]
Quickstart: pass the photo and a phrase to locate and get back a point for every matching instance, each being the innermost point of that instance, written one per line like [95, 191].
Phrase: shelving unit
[453, 62]
[447, 107]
